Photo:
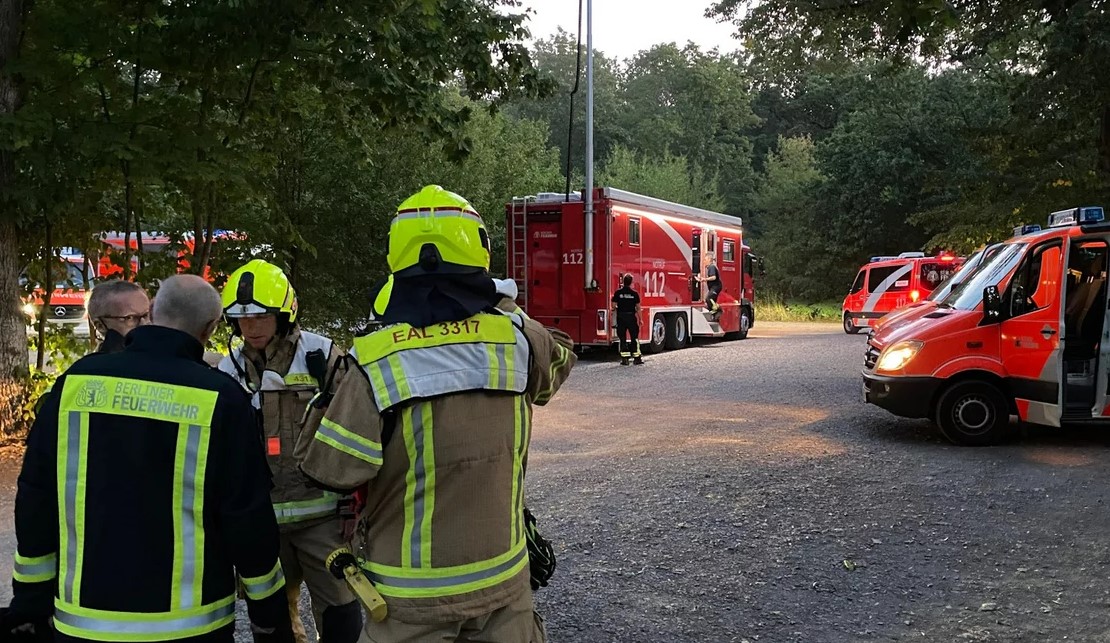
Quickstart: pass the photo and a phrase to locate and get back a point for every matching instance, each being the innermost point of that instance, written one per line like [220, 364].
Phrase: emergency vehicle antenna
[588, 209]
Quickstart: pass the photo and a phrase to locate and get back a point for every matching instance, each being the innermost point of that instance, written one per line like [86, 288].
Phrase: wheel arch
[982, 375]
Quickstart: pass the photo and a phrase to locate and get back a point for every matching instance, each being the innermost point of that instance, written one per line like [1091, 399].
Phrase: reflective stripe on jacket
[143, 490]
[443, 529]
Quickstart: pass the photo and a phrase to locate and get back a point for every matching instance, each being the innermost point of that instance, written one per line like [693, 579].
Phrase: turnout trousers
[517, 622]
[628, 324]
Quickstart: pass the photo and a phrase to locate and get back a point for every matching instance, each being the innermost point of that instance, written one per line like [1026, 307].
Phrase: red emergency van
[912, 312]
[1022, 336]
[663, 245]
[886, 283]
[67, 301]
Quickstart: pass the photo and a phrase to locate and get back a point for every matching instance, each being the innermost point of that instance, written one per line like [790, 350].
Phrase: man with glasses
[115, 308]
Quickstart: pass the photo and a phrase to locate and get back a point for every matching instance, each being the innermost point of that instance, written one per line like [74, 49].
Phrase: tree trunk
[13, 325]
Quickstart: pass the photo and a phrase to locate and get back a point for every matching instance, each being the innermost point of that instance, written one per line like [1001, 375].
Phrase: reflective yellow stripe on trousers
[187, 409]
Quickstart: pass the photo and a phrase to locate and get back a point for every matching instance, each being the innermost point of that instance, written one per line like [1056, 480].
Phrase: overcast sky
[624, 27]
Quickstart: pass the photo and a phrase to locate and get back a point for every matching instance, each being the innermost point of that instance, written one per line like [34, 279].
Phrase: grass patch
[772, 307]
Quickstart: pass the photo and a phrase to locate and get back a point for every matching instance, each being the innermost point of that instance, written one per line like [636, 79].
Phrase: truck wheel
[678, 331]
[973, 413]
[849, 327]
[658, 334]
[745, 325]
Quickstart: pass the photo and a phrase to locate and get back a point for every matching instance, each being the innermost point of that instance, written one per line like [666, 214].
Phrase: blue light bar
[882, 258]
[1076, 216]
[1026, 229]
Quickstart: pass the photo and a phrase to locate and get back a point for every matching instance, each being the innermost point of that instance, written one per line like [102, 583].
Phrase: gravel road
[741, 491]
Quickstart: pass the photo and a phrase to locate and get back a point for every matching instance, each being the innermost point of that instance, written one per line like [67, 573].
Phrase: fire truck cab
[1022, 336]
[887, 283]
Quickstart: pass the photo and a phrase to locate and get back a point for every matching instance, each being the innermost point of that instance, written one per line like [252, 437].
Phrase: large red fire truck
[567, 284]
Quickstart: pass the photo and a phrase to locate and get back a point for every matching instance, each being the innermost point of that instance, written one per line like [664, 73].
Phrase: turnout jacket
[442, 532]
[281, 382]
[143, 490]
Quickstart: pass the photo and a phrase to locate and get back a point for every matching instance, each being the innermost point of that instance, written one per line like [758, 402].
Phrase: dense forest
[837, 131]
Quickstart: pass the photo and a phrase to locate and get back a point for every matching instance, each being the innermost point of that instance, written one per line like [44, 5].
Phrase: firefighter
[626, 309]
[284, 368]
[436, 421]
[114, 309]
[713, 279]
[144, 490]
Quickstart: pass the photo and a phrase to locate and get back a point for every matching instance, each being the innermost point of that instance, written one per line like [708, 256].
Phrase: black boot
[624, 361]
[638, 360]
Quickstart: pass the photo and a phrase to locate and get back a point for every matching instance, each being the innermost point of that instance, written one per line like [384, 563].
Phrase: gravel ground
[741, 491]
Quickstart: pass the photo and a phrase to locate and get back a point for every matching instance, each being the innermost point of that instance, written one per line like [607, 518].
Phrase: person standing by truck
[712, 280]
[626, 306]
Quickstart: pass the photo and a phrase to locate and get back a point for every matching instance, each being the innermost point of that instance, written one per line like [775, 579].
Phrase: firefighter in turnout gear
[626, 307]
[435, 420]
[144, 491]
[284, 368]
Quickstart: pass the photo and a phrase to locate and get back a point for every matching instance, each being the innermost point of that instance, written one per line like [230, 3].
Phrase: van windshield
[966, 271]
[969, 294]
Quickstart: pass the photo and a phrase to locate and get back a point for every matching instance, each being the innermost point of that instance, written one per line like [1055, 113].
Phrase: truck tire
[849, 327]
[745, 325]
[678, 331]
[973, 413]
[658, 337]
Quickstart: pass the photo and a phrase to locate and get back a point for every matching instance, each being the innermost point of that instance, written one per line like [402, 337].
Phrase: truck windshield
[969, 294]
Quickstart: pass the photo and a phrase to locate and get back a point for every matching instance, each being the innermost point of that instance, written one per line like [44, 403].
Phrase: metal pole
[589, 202]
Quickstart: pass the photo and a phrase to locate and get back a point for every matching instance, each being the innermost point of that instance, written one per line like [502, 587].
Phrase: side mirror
[992, 304]
[1017, 300]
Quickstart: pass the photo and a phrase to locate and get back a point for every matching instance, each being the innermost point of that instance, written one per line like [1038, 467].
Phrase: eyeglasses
[137, 318]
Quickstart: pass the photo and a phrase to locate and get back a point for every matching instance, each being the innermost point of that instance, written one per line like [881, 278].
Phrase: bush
[772, 307]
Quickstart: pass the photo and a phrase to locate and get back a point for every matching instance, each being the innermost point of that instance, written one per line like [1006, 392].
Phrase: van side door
[1030, 344]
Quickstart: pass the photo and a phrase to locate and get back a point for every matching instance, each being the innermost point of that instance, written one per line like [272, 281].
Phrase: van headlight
[896, 356]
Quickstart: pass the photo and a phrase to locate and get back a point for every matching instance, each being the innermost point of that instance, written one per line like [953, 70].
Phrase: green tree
[695, 104]
[171, 105]
[804, 261]
[1053, 50]
[557, 58]
[665, 176]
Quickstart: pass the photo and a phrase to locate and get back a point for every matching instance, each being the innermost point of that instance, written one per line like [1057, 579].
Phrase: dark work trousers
[627, 323]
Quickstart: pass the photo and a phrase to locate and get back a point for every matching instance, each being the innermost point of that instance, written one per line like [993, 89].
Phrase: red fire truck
[662, 244]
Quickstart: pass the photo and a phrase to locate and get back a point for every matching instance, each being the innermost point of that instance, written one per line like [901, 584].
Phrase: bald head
[189, 304]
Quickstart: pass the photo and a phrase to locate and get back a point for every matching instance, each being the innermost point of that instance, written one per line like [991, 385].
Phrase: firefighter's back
[159, 481]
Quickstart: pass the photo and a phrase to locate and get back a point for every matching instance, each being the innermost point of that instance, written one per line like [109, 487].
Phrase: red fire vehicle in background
[67, 301]
[888, 283]
[662, 244]
[156, 247]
